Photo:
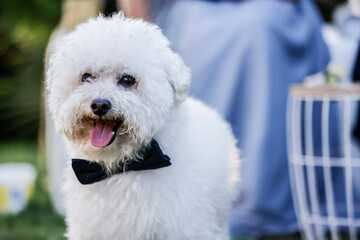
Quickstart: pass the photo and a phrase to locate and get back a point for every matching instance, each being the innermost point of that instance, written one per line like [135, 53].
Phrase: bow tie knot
[88, 172]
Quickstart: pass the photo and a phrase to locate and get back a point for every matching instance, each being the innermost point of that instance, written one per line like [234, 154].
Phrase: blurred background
[25, 29]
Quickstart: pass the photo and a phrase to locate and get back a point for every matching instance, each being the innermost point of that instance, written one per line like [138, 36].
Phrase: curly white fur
[190, 199]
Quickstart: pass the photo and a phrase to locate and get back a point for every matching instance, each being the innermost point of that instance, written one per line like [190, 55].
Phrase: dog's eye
[86, 77]
[127, 81]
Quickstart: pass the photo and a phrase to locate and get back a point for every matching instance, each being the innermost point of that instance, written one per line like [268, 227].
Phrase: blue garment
[244, 56]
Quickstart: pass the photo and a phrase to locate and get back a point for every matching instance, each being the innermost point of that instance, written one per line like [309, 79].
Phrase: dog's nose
[100, 106]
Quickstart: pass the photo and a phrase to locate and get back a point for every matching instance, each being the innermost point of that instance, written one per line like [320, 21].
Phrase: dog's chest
[127, 206]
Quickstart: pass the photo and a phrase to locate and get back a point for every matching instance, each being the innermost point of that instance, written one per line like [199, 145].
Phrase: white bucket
[16, 186]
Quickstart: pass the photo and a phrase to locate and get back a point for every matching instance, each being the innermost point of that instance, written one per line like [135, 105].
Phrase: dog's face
[112, 84]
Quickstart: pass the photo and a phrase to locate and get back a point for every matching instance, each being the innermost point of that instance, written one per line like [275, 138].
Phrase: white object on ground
[16, 186]
[322, 171]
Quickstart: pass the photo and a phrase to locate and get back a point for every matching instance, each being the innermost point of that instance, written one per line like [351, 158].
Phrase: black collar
[88, 172]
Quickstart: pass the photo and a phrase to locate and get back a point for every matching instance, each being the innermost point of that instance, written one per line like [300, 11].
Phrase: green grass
[38, 221]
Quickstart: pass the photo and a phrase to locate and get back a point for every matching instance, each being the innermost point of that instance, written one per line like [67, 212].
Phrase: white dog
[149, 163]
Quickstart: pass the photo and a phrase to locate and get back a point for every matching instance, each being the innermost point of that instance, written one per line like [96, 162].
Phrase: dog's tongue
[102, 133]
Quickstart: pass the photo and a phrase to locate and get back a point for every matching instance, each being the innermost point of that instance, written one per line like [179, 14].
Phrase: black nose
[100, 106]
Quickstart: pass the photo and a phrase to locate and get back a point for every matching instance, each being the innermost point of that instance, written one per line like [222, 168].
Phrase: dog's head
[112, 84]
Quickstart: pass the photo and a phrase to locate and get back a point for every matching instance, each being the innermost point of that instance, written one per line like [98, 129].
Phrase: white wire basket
[324, 161]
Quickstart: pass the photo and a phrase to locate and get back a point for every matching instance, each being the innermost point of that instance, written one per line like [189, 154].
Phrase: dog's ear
[179, 77]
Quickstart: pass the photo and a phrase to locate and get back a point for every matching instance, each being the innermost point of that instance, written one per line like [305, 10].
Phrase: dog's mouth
[104, 132]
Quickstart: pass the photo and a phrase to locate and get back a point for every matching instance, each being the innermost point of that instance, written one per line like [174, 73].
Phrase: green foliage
[38, 222]
[25, 27]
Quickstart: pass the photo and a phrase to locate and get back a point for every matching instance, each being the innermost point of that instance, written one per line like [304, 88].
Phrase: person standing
[244, 55]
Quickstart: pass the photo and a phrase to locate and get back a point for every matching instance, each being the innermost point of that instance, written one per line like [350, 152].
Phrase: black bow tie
[88, 172]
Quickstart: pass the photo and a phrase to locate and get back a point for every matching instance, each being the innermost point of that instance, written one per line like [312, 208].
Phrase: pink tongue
[102, 133]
